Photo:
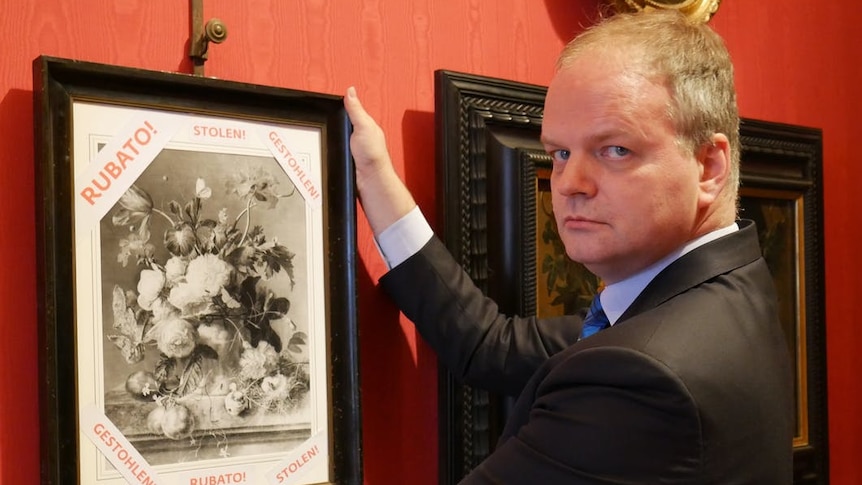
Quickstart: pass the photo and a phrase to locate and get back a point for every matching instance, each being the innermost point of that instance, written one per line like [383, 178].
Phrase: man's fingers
[354, 108]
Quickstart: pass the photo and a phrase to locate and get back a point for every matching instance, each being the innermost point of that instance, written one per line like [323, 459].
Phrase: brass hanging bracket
[696, 10]
[214, 31]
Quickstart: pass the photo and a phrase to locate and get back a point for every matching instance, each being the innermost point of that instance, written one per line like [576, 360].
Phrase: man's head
[642, 122]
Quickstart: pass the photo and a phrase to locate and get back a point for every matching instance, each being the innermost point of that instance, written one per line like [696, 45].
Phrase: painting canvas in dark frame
[197, 287]
[493, 186]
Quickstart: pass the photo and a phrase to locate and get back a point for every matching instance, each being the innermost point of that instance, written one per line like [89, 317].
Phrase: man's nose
[576, 176]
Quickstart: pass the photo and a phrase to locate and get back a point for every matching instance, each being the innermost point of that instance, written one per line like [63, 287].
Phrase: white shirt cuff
[404, 238]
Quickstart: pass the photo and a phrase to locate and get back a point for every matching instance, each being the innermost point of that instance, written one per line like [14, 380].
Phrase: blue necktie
[596, 319]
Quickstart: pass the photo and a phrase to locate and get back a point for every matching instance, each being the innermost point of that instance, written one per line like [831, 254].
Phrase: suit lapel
[701, 264]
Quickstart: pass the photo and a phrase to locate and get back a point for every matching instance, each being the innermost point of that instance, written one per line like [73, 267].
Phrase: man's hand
[368, 142]
[383, 195]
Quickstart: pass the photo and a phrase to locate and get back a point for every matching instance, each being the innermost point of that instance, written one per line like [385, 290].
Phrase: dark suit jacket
[693, 384]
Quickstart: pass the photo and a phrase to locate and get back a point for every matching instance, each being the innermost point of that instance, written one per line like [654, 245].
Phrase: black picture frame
[312, 369]
[490, 169]
[782, 175]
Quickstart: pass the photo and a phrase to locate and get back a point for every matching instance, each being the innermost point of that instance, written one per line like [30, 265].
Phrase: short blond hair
[686, 56]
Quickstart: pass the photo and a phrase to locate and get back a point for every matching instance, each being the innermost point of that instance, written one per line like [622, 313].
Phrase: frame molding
[58, 85]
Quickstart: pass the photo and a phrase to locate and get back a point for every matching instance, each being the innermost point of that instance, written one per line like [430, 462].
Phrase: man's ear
[714, 161]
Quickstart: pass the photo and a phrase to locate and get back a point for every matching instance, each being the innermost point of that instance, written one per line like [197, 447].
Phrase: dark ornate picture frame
[313, 354]
[782, 190]
[492, 172]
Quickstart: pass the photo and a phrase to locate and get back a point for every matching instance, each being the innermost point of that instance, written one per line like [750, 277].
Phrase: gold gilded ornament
[697, 10]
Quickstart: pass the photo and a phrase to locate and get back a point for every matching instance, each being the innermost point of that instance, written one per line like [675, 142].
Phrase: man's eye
[615, 151]
[560, 155]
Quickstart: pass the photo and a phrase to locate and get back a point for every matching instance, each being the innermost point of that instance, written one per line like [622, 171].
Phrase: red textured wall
[798, 64]
[795, 64]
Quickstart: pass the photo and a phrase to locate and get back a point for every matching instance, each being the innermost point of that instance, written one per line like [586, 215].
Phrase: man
[691, 382]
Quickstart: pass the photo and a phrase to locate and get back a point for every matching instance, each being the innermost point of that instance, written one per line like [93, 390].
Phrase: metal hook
[214, 31]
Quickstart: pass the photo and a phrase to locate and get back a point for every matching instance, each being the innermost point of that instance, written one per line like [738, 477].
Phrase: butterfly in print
[131, 333]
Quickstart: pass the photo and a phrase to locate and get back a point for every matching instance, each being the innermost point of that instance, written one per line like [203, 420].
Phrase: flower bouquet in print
[205, 326]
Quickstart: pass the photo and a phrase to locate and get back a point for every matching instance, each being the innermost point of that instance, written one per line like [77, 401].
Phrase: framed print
[493, 178]
[198, 317]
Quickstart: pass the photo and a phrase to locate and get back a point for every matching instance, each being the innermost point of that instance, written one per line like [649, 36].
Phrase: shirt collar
[617, 297]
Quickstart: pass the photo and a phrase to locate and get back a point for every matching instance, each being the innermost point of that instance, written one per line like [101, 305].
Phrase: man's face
[625, 194]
